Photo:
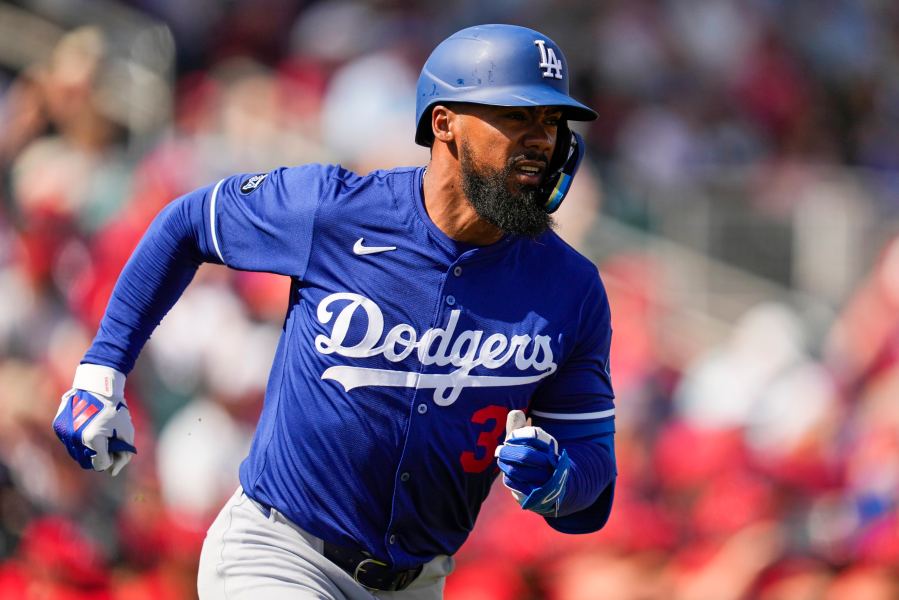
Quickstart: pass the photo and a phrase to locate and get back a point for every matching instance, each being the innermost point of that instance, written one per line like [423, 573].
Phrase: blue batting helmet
[500, 65]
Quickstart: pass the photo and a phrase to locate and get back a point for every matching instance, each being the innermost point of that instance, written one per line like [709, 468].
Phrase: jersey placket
[421, 418]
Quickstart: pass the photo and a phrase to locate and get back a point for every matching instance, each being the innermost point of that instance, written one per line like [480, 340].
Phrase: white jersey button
[405, 477]
[392, 540]
[422, 409]
[457, 271]
[451, 300]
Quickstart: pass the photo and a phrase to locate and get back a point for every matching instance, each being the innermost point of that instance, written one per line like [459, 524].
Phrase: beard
[518, 213]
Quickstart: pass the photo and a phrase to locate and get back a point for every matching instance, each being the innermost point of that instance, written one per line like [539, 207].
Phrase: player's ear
[442, 119]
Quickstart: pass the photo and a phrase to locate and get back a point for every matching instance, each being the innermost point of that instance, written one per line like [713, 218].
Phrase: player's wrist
[100, 380]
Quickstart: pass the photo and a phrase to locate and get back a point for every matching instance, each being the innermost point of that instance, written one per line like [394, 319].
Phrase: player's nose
[540, 137]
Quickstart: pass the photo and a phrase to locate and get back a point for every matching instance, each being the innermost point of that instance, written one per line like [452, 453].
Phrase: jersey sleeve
[265, 222]
[577, 408]
[259, 222]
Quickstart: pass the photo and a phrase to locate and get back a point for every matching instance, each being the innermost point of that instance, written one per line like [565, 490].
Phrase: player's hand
[93, 421]
[532, 467]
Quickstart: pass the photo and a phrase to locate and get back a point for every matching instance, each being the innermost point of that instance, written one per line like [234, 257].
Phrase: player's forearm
[154, 278]
[592, 470]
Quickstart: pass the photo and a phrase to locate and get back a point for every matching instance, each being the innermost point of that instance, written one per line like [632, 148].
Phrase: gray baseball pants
[247, 556]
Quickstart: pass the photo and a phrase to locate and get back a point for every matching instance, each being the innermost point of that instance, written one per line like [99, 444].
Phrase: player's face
[504, 154]
[522, 138]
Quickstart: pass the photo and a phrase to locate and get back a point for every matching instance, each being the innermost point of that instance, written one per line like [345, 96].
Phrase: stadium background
[741, 199]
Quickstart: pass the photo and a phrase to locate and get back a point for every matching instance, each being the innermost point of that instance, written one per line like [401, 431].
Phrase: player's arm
[263, 227]
[562, 465]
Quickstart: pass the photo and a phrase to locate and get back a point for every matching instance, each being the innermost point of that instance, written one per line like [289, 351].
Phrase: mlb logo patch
[252, 183]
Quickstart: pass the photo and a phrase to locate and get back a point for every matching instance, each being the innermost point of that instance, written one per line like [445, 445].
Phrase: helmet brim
[516, 95]
[519, 95]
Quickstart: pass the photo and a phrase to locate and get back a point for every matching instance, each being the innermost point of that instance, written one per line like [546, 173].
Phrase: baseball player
[432, 312]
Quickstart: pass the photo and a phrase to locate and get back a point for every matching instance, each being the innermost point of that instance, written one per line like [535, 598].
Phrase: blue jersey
[402, 352]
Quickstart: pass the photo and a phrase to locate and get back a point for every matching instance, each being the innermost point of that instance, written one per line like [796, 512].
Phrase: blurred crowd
[763, 466]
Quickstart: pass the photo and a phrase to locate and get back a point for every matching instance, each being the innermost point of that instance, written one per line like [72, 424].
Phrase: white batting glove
[533, 470]
[93, 421]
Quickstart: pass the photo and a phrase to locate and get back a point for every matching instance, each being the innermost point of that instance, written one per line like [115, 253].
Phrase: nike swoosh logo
[361, 250]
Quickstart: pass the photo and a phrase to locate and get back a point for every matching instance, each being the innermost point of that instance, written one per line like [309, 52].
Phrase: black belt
[368, 571]
[365, 570]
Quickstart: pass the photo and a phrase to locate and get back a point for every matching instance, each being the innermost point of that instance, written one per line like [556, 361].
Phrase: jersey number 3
[495, 418]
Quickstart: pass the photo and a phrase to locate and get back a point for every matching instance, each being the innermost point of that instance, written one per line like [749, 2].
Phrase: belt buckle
[359, 570]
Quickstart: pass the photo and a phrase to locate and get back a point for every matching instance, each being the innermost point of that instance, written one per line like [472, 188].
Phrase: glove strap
[547, 499]
[101, 380]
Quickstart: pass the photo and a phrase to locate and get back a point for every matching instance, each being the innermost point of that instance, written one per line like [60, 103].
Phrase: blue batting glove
[93, 421]
[532, 468]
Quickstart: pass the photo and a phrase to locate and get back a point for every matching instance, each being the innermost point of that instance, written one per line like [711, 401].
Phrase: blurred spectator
[612, 576]
[772, 388]
[864, 582]
[56, 560]
[659, 145]
[368, 115]
[794, 580]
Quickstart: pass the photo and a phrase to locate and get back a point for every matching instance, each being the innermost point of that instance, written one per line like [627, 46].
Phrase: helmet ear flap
[562, 167]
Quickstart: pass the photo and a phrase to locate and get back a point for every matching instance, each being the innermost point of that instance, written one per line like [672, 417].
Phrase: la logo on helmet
[548, 61]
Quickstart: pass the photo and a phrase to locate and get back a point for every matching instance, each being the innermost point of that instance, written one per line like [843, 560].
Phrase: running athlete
[432, 312]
